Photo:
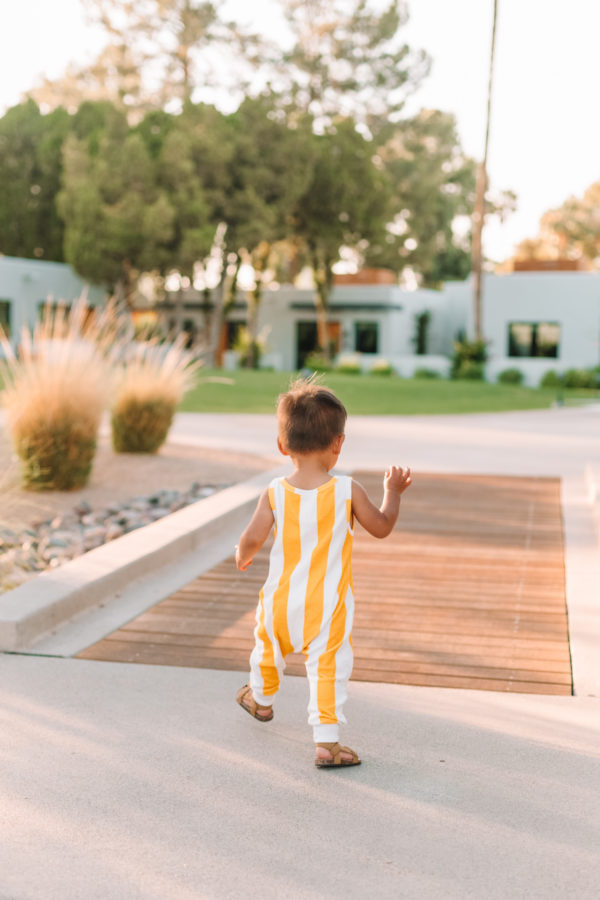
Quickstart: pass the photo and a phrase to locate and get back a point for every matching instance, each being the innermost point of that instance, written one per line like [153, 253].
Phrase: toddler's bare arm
[380, 522]
[255, 534]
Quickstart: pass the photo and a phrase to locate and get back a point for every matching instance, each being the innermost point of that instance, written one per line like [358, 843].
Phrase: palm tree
[479, 210]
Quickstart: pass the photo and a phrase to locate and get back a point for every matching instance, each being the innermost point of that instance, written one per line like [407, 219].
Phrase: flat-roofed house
[537, 321]
[534, 320]
[26, 285]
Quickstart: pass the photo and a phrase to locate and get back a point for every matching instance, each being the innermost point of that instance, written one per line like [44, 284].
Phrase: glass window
[44, 305]
[533, 339]
[366, 337]
[5, 316]
[189, 326]
[547, 339]
[232, 333]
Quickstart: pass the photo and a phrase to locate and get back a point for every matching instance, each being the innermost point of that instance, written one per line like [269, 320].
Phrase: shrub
[141, 426]
[426, 373]
[579, 378]
[466, 352]
[55, 392]
[510, 376]
[348, 364]
[250, 350]
[318, 362]
[381, 367]
[151, 385]
[551, 379]
[146, 328]
[348, 369]
[470, 370]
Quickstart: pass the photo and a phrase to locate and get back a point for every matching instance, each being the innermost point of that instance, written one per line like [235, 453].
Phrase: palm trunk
[479, 210]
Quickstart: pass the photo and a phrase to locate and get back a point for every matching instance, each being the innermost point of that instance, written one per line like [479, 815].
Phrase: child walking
[306, 603]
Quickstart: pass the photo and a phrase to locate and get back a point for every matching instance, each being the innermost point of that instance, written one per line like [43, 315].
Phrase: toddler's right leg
[266, 664]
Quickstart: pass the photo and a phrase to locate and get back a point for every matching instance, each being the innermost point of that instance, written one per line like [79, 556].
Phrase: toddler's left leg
[329, 661]
[328, 674]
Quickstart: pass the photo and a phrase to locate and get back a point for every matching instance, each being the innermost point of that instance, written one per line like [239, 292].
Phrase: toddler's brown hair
[309, 417]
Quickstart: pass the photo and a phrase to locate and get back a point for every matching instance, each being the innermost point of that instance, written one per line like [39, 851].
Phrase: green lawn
[256, 392]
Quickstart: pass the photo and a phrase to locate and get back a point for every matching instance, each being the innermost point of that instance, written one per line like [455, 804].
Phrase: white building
[534, 321]
[538, 321]
[26, 285]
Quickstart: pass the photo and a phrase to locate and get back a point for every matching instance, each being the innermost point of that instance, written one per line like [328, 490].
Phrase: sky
[545, 130]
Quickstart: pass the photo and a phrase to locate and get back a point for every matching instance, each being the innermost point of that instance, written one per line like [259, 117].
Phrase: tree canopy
[316, 160]
[346, 203]
[118, 220]
[111, 197]
[348, 59]
[30, 173]
[432, 182]
[571, 230]
[158, 53]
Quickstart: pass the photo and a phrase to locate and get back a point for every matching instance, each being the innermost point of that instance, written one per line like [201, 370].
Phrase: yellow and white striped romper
[306, 604]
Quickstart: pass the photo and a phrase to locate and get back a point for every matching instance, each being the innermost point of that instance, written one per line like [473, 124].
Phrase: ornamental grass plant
[148, 389]
[55, 388]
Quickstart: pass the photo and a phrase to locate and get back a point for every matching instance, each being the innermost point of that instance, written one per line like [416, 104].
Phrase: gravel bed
[50, 543]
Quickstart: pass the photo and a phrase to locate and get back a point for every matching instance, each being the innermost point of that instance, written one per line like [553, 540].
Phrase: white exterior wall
[454, 315]
[26, 283]
[392, 308]
[349, 305]
[274, 315]
[571, 299]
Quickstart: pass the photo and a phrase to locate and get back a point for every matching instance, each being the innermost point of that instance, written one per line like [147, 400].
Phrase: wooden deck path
[468, 592]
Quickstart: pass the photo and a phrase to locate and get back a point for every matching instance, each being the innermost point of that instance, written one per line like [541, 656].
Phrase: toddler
[306, 603]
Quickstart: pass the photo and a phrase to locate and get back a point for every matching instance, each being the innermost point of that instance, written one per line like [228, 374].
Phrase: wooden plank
[522, 660]
[468, 592]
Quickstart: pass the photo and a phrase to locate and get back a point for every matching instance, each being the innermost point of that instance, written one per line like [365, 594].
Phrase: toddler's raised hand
[397, 479]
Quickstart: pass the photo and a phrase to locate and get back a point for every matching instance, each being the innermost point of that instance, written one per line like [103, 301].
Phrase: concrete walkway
[121, 781]
[555, 442]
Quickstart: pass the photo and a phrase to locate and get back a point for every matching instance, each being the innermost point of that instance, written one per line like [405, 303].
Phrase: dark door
[306, 341]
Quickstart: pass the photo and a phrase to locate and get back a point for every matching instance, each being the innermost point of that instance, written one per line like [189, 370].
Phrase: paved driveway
[125, 782]
[554, 442]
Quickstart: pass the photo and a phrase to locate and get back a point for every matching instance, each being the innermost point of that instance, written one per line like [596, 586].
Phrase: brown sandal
[245, 693]
[336, 751]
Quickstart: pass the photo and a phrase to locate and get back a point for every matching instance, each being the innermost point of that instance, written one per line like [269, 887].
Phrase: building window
[366, 337]
[5, 316]
[533, 339]
[190, 330]
[50, 310]
[232, 333]
[307, 340]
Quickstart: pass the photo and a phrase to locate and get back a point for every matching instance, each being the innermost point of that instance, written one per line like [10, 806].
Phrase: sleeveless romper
[306, 604]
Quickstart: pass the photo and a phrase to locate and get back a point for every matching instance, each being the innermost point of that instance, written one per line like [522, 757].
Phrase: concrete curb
[199, 534]
[592, 479]
[582, 574]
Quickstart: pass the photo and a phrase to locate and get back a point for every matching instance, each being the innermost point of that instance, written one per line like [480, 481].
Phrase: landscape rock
[48, 544]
